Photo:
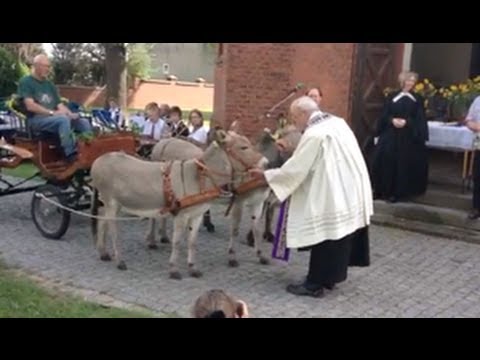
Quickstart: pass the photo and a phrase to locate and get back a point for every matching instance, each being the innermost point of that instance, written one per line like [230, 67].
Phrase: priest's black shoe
[302, 290]
[329, 286]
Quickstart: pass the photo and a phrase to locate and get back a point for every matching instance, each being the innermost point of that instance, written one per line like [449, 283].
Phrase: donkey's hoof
[264, 261]
[106, 257]
[175, 275]
[153, 246]
[210, 228]
[165, 240]
[269, 237]
[233, 263]
[250, 239]
[122, 266]
[195, 273]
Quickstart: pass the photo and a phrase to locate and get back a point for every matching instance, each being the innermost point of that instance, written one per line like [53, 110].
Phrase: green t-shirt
[43, 92]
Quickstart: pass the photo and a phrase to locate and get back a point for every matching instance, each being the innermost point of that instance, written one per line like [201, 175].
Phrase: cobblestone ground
[411, 275]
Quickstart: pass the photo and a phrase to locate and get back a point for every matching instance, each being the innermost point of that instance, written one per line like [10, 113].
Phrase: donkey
[168, 150]
[277, 152]
[123, 182]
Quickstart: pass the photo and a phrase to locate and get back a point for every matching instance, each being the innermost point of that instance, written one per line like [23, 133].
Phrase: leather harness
[174, 205]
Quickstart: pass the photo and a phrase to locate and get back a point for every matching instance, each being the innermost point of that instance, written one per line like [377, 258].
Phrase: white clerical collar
[315, 114]
[403, 94]
[317, 117]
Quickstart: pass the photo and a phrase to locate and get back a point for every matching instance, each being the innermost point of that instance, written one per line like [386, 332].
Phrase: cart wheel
[50, 220]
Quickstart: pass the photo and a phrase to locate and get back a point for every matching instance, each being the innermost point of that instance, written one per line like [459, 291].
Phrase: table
[452, 137]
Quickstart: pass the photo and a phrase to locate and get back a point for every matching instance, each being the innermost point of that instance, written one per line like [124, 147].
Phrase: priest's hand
[257, 174]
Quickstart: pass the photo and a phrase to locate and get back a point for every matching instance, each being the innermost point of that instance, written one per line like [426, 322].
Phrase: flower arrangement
[459, 97]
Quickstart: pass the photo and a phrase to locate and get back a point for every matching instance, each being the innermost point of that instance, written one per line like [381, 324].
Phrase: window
[166, 69]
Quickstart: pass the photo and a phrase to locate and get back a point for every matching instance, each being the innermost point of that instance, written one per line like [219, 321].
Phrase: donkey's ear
[221, 136]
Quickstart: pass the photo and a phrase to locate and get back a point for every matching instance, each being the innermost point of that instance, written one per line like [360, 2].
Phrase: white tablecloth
[451, 137]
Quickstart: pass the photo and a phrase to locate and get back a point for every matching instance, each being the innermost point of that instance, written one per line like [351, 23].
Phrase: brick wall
[253, 77]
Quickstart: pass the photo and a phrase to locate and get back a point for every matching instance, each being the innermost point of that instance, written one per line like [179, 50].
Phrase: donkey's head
[240, 154]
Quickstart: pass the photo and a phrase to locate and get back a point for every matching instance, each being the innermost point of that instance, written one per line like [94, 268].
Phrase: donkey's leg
[193, 228]
[179, 225]
[102, 236]
[256, 215]
[250, 236]
[269, 218]
[163, 231]
[151, 234]
[207, 222]
[111, 213]
[235, 221]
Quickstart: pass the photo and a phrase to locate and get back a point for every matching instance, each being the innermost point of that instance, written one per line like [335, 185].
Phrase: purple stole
[280, 249]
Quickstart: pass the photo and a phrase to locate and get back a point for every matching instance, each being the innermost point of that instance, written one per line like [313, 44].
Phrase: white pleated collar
[403, 94]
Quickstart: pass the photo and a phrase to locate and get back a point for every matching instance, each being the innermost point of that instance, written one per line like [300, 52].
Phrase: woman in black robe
[400, 166]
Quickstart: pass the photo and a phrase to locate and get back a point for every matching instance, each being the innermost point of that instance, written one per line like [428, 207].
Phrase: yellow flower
[426, 81]
[454, 88]
[477, 79]
[419, 87]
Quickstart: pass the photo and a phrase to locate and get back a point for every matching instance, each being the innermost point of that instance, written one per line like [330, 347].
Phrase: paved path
[412, 275]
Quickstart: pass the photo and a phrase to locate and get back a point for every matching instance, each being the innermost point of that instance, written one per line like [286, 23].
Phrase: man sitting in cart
[45, 111]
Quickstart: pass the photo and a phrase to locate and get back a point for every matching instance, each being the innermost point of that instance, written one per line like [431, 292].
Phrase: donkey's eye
[244, 148]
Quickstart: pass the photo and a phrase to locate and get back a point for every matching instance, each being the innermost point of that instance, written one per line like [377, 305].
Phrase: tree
[10, 71]
[139, 63]
[116, 68]
[102, 63]
[23, 52]
[79, 64]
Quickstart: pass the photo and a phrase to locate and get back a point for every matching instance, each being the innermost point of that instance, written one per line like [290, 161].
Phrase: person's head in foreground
[216, 304]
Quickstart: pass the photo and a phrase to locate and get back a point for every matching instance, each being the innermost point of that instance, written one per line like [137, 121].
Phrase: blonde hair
[217, 304]
[405, 75]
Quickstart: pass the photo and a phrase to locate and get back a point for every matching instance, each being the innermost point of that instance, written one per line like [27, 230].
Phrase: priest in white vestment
[330, 195]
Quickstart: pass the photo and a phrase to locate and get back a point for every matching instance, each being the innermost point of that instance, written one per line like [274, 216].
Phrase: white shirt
[474, 112]
[157, 130]
[116, 115]
[200, 135]
[138, 120]
[328, 182]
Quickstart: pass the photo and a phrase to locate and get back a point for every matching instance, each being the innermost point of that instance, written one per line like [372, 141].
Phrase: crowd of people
[162, 121]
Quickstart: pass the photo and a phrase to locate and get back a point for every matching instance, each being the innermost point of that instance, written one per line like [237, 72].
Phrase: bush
[10, 73]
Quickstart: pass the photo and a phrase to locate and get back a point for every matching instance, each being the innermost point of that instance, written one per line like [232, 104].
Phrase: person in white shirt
[155, 127]
[138, 119]
[115, 112]
[164, 111]
[177, 127]
[198, 133]
[473, 123]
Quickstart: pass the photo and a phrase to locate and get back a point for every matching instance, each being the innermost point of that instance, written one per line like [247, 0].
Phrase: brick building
[251, 77]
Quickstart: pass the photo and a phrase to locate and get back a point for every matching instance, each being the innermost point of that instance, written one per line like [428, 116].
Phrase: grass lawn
[22, 298]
